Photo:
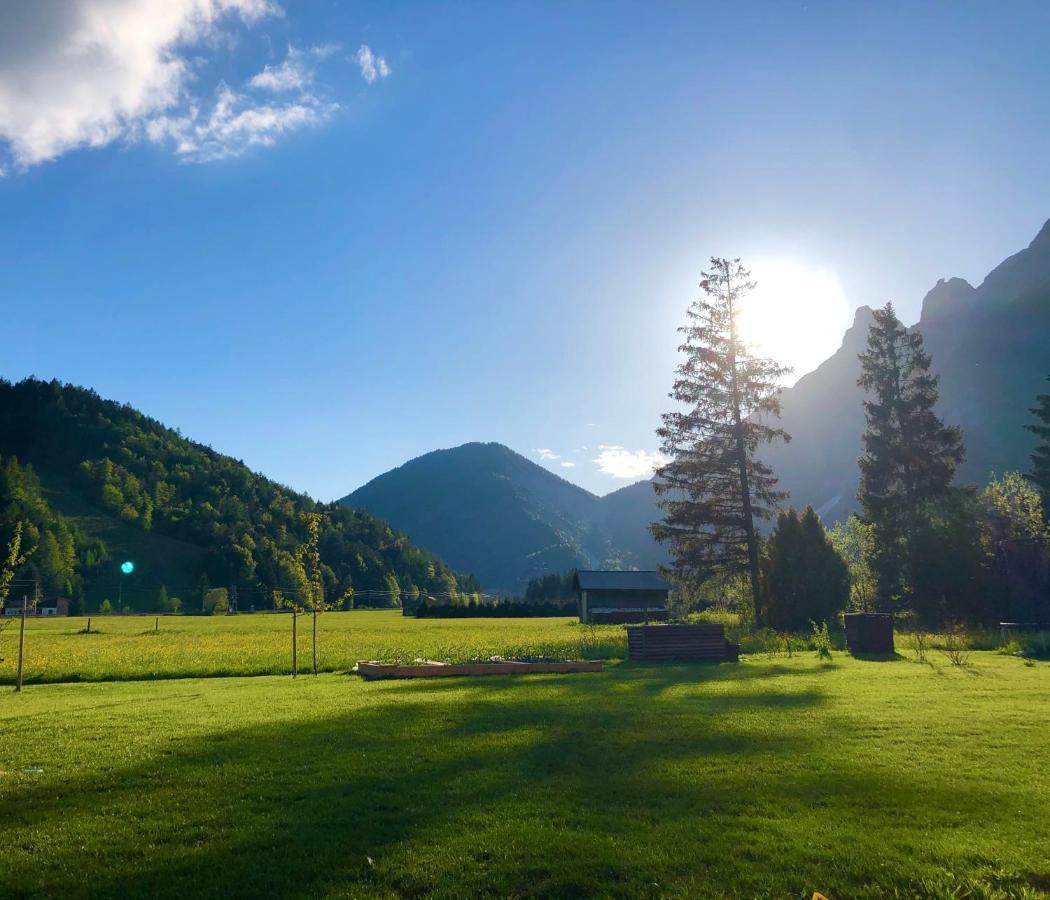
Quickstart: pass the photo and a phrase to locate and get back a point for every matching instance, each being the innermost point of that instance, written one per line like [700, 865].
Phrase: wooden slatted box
[652, 643]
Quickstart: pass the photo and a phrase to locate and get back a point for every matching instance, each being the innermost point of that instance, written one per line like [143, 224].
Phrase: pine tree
[713, 489]
[909, 455]
[804, 578]
[1040, 474]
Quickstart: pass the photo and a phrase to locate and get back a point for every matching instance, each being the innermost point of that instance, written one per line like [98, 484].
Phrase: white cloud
[546, 453]
[86, 73]
[619, 462]
[233, 124]
[372, 66]
[296, 73]
[565, 464]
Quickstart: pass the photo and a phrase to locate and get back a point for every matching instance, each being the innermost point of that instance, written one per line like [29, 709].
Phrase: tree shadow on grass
[501, 787]
[879, 657]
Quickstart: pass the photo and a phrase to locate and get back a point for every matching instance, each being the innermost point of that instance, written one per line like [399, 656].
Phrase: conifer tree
[804, 578]
[910, 455]
[1040, 474]
[713, 489]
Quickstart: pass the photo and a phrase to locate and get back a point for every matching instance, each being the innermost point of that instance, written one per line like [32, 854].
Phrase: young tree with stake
[713, 490]
[307, 573]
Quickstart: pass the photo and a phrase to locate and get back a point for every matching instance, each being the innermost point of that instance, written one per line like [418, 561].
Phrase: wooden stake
[21, 644]
[295, 646]
[156, 625]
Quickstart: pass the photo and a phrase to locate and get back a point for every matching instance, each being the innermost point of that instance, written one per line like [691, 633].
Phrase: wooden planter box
[869, 634]
[430, 669]
[650, 643]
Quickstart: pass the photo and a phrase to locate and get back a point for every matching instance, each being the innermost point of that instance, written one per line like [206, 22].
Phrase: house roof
[591, 580]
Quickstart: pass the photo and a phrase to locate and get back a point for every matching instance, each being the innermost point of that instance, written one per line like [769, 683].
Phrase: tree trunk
[315, 642]
[747, 512]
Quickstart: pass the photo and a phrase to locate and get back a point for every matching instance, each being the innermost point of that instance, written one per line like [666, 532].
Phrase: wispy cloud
[372, 67]
[232, 124]
[546, 453]
[95, 72]
[619, 462]
[565, 464]
[296, 73]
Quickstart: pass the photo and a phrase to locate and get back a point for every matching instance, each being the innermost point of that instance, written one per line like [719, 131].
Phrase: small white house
[55, 606]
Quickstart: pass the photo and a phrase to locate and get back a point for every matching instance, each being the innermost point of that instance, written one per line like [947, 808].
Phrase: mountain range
[488, 510]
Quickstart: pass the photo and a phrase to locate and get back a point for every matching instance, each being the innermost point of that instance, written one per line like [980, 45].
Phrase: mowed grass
[771, 778]
[128, 647]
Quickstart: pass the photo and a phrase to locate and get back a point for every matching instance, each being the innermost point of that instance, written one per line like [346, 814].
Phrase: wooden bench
[651, 643]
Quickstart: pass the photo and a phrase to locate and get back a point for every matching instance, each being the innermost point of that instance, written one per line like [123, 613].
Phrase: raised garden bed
[427, 668]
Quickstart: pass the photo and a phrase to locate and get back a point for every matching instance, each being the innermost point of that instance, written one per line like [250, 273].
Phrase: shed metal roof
[591, 580]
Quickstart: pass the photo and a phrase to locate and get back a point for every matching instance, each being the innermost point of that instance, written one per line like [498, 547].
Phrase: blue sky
[436, 223]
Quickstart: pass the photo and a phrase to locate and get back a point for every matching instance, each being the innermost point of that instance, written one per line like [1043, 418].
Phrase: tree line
[921, 544]
[155, 480]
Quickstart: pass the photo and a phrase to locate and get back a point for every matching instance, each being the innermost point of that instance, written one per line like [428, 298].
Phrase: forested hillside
[197, 516]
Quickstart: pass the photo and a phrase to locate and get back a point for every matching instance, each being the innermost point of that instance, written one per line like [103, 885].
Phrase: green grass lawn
[126, 647]
[771, 777]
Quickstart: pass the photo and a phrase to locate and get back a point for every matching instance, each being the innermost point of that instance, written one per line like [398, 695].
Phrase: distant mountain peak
[1042, 240]
[945, 297]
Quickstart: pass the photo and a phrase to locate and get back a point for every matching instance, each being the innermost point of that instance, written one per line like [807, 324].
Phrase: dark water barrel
[869, 634]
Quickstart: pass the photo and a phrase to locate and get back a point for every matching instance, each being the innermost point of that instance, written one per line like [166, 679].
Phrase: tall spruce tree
[1040, 474]
[910, 455]
[713, 489]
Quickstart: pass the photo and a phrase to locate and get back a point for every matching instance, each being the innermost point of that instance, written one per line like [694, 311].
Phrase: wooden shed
[618, 597]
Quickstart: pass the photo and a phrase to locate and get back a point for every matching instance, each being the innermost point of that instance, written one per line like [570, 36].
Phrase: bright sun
[796, 314]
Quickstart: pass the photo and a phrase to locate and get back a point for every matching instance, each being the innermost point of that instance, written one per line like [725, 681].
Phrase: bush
[216, 601]
[922, 643]
[497, 609]
[957, 647]
[820, 640]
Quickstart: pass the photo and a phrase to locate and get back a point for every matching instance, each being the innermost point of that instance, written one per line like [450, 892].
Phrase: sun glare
[796, 315]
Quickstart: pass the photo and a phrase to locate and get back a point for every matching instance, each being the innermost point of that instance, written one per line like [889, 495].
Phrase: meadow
[771, 777]
[129, 648]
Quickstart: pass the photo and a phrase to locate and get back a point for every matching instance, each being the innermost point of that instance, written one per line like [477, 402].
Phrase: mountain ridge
[523, 521]
[990, 346]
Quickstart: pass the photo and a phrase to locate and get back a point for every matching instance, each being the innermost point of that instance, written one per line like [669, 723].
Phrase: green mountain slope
[491, 511]
[186, 514]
